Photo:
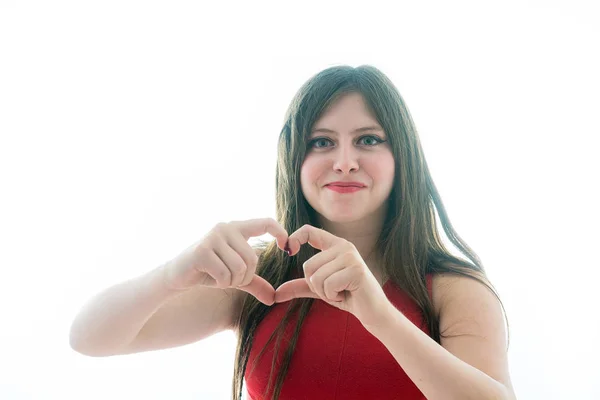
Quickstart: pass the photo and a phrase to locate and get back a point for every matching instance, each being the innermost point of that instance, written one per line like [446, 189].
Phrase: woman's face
[340, 153]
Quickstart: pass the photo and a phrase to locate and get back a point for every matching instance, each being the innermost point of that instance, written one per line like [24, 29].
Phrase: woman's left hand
[337, 275]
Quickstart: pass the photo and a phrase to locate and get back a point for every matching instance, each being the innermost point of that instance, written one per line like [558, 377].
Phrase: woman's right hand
[223, 258]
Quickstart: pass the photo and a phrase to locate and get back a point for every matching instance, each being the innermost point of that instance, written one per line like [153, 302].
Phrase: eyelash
[377, 139]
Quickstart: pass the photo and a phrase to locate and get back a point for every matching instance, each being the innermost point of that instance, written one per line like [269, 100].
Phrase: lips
[346, 184]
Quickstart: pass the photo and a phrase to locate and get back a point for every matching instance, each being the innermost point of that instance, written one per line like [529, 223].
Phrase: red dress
[335, 356]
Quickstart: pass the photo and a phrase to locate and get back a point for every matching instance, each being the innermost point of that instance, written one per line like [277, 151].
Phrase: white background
[128, 129]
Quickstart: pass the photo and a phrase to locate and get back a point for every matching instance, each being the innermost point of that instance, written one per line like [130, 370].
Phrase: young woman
[358, 297]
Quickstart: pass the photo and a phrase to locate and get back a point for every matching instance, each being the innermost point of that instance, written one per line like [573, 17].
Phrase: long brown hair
[409, 238]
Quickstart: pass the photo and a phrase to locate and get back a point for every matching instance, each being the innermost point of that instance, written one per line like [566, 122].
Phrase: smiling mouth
[346, 184]
[344, 189]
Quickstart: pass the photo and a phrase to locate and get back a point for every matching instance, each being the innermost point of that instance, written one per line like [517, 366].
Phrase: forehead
[349, 113]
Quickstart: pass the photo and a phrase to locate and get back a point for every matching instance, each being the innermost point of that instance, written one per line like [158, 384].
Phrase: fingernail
[287, 249]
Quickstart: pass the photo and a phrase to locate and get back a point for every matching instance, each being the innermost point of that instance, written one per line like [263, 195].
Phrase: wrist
[382, 319]
[158, 280]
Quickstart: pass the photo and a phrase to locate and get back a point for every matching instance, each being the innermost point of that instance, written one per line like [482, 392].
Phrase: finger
[294, 289]
[261, 289]
[317, 238]
[232, 261]
[319, 278]
[260, 226]
[337, 283]
[248, 255]
[217, 271]
[313, 264]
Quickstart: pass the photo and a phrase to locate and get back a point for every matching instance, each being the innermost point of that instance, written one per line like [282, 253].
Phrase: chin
[343, 217]
[342, 220]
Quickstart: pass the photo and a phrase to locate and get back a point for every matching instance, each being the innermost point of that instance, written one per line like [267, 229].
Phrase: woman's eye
[375, 139]
[319, 140]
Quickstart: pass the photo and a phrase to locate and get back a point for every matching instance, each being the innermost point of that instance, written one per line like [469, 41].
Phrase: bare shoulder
[450, 289]
[472, 324]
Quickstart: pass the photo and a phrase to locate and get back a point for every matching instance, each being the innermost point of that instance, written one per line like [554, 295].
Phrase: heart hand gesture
[337, 275]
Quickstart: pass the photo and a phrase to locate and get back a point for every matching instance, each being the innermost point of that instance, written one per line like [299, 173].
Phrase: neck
[363, 234]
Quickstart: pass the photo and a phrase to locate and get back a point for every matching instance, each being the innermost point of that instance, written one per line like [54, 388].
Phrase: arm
[471, 362]
[141, 314]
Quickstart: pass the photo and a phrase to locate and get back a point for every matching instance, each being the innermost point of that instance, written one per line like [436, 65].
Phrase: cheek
[309, 172]
[305, 177]
[383, 168]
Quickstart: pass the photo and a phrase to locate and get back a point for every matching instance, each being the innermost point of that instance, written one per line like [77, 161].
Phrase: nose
[346, 159]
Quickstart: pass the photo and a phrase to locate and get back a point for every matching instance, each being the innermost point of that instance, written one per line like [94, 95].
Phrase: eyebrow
[363, 129]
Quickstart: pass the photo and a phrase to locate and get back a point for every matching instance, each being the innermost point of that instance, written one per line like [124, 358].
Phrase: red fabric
[335, 356]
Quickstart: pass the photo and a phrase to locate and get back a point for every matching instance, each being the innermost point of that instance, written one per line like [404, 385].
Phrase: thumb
[294, 289]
